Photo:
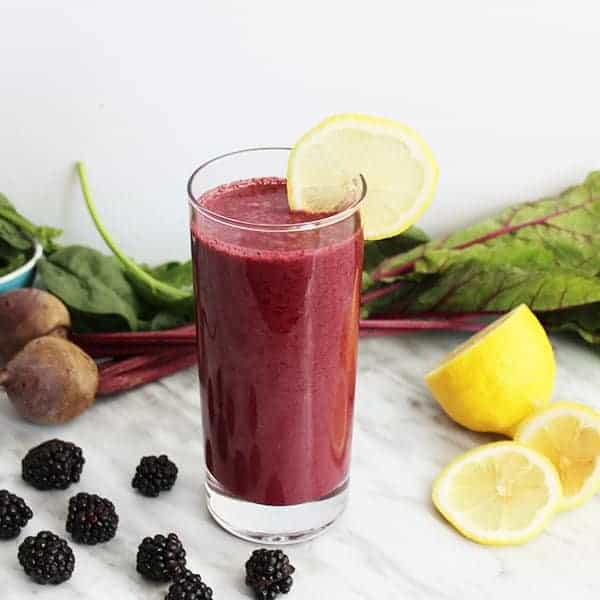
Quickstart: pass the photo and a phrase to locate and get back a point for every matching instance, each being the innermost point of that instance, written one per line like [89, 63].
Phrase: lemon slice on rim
[498, 494]
[400, 171]
[569, 435]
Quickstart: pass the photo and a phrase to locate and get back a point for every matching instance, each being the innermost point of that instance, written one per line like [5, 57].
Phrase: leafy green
[5, 202]
[113, 293]
[45, 235]
[155, 291]
[167, 319]
[474, 286]
[11, 258]
[91, 283]
[100, 296]
[583, 320]
[545, 254]
[11, 235]
[560, 231]
[16, 237]
[173, 273]
[377, 251]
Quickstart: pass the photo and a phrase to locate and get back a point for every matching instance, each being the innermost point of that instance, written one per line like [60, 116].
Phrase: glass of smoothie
[277, 312]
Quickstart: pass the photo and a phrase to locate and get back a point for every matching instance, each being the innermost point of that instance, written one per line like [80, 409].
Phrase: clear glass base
[266, 524]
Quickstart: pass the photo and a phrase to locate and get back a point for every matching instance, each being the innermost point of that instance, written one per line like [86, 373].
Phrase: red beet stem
[184, 334]
[369, 333]
[114, 367]
[420, 324]
[447, 315]
[153, 355]
[153, 368]
[113, 350]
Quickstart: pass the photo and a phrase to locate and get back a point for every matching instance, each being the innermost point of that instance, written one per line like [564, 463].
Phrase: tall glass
[277, 296]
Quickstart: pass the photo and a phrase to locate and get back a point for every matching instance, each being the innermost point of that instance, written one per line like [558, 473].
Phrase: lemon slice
[498, 494]
[400, 171]
[569, 435]
[499, 376]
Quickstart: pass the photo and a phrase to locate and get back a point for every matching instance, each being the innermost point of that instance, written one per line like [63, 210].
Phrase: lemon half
[499, 494]
[569, 435]
[499, 376]
[400, 171]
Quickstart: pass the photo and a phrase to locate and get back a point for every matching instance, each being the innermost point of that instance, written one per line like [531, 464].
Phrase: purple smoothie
[277, 316]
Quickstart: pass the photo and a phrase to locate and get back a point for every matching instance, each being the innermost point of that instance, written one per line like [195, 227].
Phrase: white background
[506, 92]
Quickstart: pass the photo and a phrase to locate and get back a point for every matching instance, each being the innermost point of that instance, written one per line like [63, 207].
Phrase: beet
[27, 314]
[50, 381]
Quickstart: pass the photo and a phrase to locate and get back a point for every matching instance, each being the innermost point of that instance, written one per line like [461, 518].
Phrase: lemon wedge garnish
[498, 494]
[400, 171]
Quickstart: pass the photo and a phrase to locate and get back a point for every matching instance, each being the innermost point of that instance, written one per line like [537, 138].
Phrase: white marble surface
[390, 544]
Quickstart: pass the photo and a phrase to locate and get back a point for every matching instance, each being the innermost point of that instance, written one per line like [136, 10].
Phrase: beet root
[26, 314]
[50, 381]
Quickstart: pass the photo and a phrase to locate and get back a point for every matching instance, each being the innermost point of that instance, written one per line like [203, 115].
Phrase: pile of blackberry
[92, 519]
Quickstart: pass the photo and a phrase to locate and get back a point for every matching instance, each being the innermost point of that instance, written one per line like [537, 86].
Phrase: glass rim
[331, 219]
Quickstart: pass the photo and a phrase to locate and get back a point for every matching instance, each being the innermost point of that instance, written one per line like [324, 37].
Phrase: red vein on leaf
[379, 292]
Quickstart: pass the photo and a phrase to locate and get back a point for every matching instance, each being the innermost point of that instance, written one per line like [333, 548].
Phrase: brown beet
[27, 314]
[50, 381]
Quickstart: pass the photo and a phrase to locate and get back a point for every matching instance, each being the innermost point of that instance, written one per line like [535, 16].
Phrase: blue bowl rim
[28, 266]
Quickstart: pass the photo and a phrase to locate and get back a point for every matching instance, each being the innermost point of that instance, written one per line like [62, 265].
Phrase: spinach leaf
[94, 285]
[165, 319]
[176, 274]
[45, 235]
[154, 291]
[13, 236]
[11, 258]
[100, 296]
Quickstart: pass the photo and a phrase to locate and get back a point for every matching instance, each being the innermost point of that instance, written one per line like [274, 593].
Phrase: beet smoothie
[277, 315]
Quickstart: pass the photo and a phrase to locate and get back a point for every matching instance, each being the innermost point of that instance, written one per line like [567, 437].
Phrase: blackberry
[189, 586]
[161, 558]
[14, 514]
[91, 519]
[269, 573]
[53, 465]
[154, 474]
[47, 558]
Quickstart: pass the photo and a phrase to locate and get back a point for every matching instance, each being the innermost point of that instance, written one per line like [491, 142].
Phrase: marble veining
[390, 544]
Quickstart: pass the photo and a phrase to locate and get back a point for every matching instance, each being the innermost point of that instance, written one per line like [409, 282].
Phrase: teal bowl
[23, 276]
